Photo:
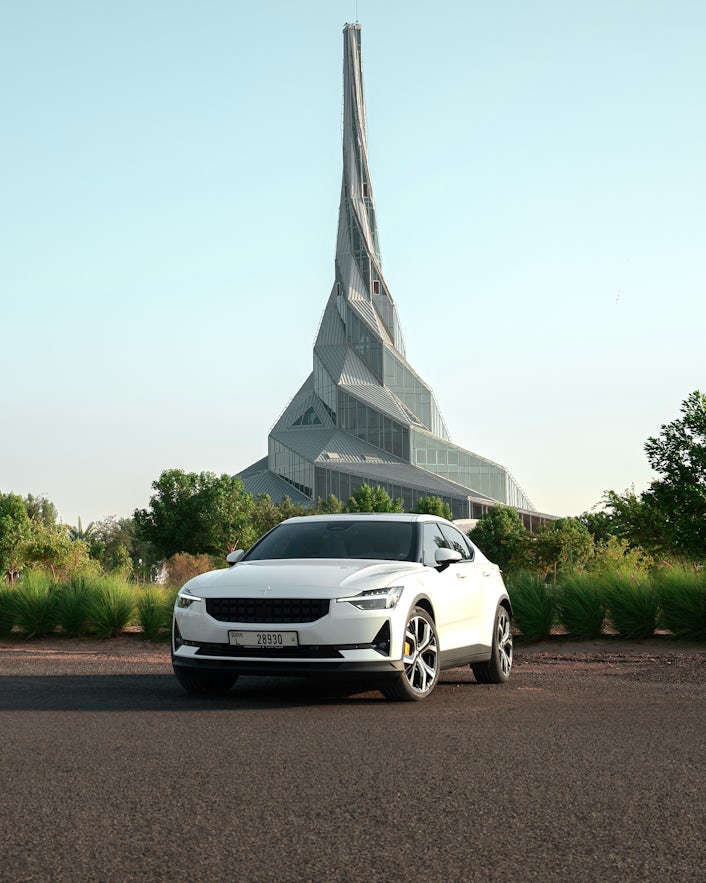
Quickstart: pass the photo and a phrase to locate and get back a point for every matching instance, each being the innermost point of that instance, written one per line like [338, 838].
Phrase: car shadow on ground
[161, 692]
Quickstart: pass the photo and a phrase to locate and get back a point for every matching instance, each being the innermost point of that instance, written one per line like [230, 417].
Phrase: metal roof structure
[364, 414]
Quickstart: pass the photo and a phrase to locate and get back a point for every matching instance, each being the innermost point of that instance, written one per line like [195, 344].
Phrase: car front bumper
[345, 641]
[269, 667]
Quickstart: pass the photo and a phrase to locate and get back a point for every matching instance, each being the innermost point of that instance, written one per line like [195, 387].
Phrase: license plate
[264, 640]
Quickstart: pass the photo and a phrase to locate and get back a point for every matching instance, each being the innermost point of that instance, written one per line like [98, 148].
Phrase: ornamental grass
[632, 604]
[154, 612]
[580, 605]
[33, 605]
[7, 616]
[532, 605]
[112, 606]
[682, 598]
[73, 605]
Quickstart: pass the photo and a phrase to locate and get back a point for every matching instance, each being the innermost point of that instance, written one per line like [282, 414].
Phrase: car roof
[368, 516]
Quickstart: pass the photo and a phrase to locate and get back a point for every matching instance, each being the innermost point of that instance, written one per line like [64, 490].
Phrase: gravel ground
[587, 766]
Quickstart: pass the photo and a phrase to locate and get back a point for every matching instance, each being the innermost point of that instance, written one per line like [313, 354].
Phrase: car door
[458, 589]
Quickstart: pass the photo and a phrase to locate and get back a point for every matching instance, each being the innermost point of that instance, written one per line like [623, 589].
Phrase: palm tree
[80, 533]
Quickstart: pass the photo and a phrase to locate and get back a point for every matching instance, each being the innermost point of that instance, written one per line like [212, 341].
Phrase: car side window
[432, 539]
[456, 540]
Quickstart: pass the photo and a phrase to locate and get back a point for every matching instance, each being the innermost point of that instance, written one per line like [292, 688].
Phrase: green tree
[637, 520]
[330, 506]
[80, 532]
[41, 510]
[51, 549]
[288, 509]
[198, 513]
[265, 514]
[15, 530]
[601, 524]
[563, 545]
[669, 518]
[678, 456]
[502, 537]
[378, 500]
[433, 506]
[116, 545]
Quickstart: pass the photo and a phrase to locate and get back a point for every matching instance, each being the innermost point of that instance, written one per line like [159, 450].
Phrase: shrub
[615, 555]
[34, 604]
[532, 605]
[73, 605]
[632, 604]
[154, 612]
[111, 606]
[580, 605]
[182, 567]
[682, 598]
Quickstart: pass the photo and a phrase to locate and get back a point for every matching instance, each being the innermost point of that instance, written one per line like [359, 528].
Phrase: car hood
[315, 577]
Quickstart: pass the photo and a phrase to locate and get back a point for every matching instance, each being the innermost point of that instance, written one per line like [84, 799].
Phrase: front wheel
[421, 660]
[497, 669]
[205, 684]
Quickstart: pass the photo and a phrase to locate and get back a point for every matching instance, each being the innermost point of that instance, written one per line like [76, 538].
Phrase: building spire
[358, 261]
[364, 414]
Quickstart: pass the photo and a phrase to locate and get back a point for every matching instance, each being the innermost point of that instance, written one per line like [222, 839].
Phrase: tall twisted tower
[364, 414]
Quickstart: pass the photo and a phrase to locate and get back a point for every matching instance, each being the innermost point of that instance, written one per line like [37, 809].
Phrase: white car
[396, 598]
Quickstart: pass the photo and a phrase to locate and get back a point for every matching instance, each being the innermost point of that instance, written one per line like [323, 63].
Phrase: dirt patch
[660, 659]
[71, 655]
[129, 652]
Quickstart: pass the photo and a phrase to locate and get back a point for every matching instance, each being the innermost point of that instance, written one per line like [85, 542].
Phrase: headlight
[186, 599]
[375, 599]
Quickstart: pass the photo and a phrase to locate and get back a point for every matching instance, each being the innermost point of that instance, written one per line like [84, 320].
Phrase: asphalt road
[581, 768]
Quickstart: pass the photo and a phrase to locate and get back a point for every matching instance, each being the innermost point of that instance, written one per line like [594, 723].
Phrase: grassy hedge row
[100, 606]
[584, 605]
[588, 605]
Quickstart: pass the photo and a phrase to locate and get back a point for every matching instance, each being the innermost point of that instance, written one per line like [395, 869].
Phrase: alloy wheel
[504, 641]
[421, 654]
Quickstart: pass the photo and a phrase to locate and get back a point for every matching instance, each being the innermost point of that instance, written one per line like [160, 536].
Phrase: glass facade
[294, 468]
[343, 485]
[324, 386]
[371, 426]
[408, 388]
[308, 418]
[455, 464]
[364, 341]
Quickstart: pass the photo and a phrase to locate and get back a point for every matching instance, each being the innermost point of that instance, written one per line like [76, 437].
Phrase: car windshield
[387, 540]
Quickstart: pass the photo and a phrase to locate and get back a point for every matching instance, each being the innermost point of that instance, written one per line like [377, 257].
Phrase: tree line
[193, 520]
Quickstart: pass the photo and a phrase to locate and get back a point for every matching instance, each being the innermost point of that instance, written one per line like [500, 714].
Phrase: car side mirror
[234, 557]
[444, 557]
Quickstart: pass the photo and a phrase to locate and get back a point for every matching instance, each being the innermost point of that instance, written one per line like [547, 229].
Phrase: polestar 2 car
[390, 598]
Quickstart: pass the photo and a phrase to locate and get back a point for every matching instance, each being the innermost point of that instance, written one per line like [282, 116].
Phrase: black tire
[206, 684]
[497, 669]
[421, 661]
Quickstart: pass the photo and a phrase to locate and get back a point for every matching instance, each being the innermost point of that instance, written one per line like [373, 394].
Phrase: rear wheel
[421, 661]
[206, 684]
[497, 669]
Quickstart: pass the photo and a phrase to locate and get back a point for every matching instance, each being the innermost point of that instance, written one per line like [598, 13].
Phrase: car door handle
[461, 575]
[487, 572]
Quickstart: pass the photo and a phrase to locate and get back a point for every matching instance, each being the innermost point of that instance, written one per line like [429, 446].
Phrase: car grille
[267, 610]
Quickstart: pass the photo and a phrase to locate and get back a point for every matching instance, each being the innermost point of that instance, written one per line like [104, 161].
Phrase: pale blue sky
[170, 175]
